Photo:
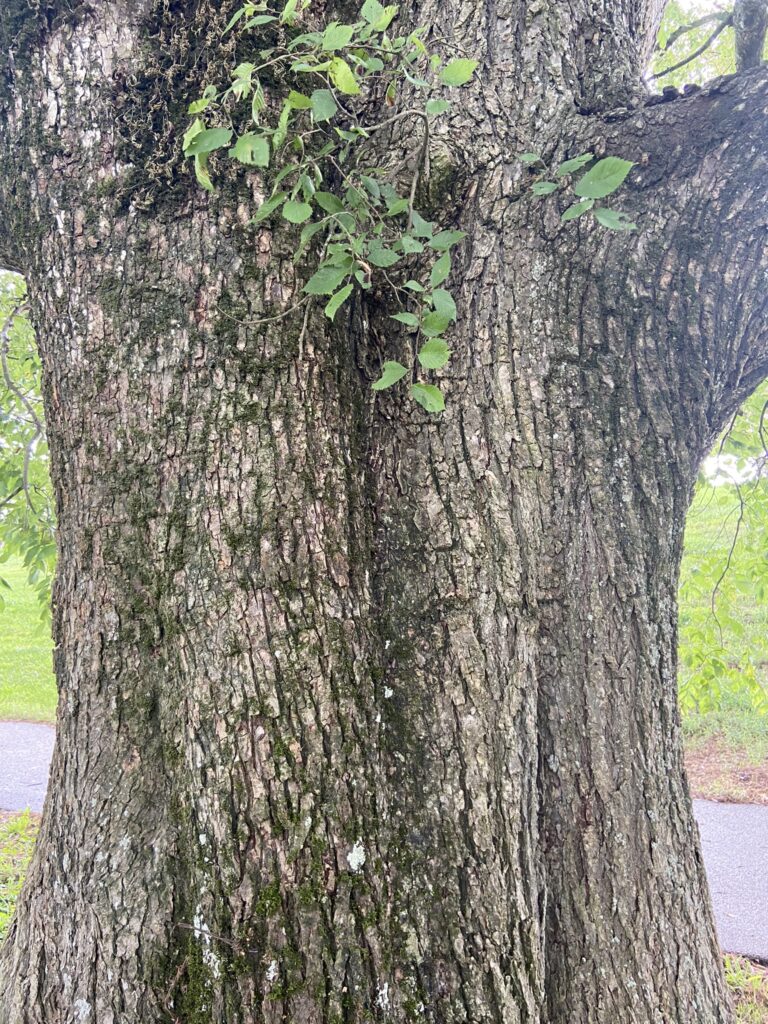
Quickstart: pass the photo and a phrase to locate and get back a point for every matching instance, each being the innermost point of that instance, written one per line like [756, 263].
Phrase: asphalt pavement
[734, 838]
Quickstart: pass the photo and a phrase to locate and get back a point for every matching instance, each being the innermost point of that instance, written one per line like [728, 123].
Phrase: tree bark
[366, 715]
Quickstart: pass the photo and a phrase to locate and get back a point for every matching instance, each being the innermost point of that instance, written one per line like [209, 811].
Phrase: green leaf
[434, 324]
[530, 158]
[343, 77]
[251, 149]
[323, 105]
[372, 11]
[434, 354]
[260, 19]
[391, 373]
[458, 72]
[421, 228]
[234, 20]
[198, 106]
[268, 207]
[544, 188]
[614, 219]
[397, 207]
[435, 107]
[440, 270]
[446, 239]
[577, 209]
[406, 318]
[337, 36]
[604, 178]
[428, 396]
[281, 132]
[207, 140]
[443, 303]
[326, 280]
[296, 212]
[298, 101]
[329, 202]
[414, 286]
[575, 164]
[380, 256]
[288, 13]
[410, 245]
[338, 300]
[201, 171]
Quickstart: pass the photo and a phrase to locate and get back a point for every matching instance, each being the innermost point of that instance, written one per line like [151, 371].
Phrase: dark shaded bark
[750, 22]
[366, 715]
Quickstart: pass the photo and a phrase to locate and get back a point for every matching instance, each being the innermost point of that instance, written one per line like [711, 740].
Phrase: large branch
[687, 289]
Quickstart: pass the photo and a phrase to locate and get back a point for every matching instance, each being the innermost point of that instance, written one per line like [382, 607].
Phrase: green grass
[724, 656]
[27, 688]
[17, 841]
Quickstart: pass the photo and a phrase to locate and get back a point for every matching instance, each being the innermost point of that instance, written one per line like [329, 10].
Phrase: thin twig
[696, 53]
[685, 29]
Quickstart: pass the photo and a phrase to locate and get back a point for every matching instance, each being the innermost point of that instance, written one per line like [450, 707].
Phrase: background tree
[363, 713]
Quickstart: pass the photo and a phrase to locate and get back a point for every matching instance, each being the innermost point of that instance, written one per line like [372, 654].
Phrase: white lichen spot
[82, 1009]
[272, 972]
[356, 856]
[388, 692]
[382, 998]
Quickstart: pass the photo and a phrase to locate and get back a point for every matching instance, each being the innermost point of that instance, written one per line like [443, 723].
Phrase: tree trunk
[366, 715]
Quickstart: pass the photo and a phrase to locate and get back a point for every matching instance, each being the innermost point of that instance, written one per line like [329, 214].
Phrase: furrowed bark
[368, 715]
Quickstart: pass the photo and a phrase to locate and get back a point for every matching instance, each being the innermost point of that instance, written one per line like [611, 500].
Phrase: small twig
[685, 29]
[696, 53]
[266, 319]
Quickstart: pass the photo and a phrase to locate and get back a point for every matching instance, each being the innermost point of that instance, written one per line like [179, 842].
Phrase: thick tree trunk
[363, 714]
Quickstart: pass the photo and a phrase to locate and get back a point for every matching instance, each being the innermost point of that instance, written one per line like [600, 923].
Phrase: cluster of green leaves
[682, 33]
[602, 179]
[724, 578]
[300, 113]
[27, 519]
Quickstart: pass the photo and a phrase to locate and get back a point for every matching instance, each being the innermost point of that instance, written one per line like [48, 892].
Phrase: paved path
[25, 753]
[734, 838]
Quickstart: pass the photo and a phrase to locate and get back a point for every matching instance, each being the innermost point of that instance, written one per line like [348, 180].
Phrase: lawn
[27, 689]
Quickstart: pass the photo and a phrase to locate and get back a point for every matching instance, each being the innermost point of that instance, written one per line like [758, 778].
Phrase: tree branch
[696, 53]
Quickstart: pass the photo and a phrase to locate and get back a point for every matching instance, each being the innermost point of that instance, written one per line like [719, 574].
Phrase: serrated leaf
[443, 302]
[281, 132]
[604, 178]
[338, 300]
[391, 373]
[323, 105]
[298, 101]
[251, 149]
[372, 11]
[577, 209]
[544, 188]
[260, 19]
[428, 396]
[409, 319]
[397, 207]
[420, 227]
[329, 202]
[268, 207]
[614, 219]
[434, 354]
[458, 72]
[343, 77]
[380, 256]
[296, 212]
[410, 245]
[436, 107]
[440, 270]
[433, 324]
[447, 239]
[207, 140]
[337, 36]
[198, 106]
[326, 280]
[575, 164]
